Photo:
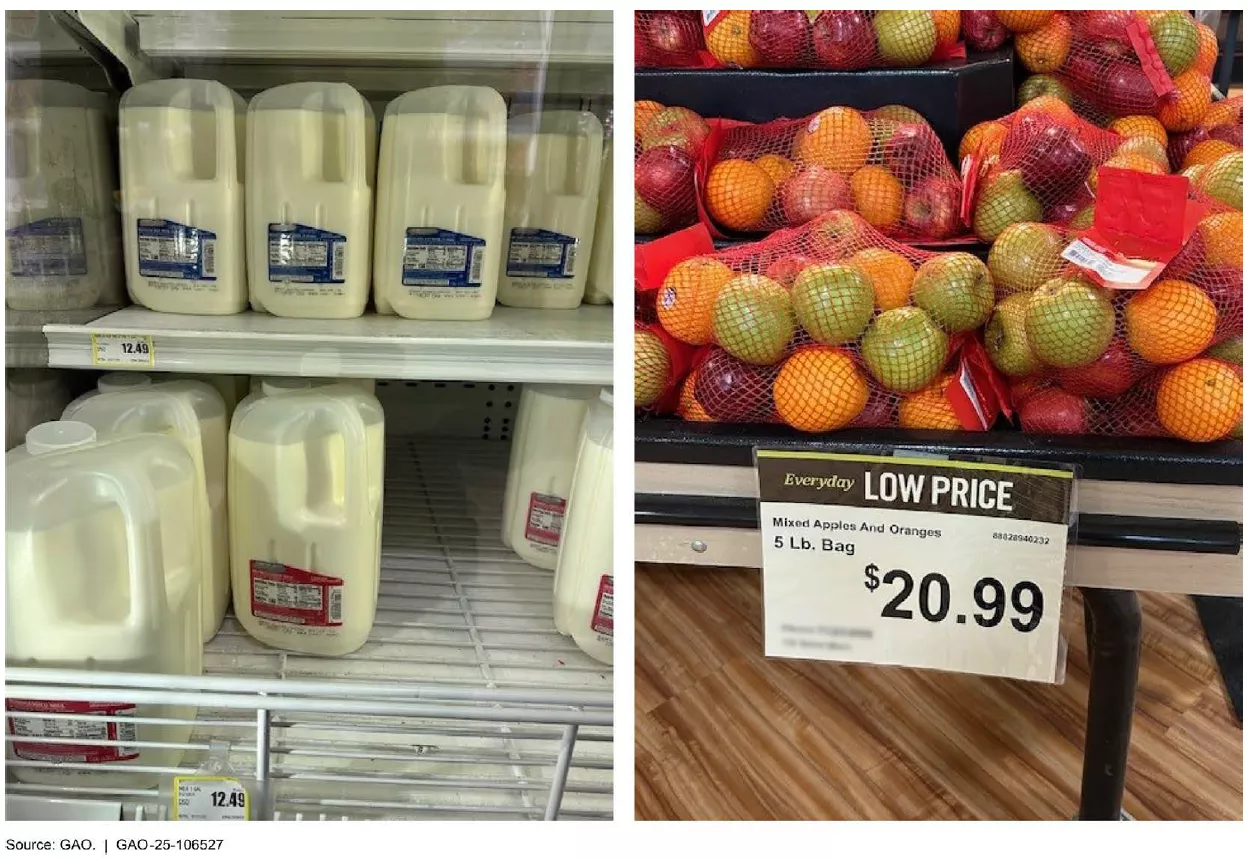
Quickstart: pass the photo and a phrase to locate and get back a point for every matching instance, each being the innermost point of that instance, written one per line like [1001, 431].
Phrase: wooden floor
[723, 733]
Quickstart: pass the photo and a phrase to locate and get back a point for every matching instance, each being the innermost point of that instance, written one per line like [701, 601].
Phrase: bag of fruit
[982, 30]
[1220, 133]
[832, 325]
[669, 40]
[841, 40]
[660, 363]
[667, 141]
[888, 165]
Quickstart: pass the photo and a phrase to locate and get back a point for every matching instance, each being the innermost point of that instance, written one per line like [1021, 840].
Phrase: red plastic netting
[888, 165]
[982, 30]
[660, 362]
[668, 40]
[667, 143]
[1221, 132]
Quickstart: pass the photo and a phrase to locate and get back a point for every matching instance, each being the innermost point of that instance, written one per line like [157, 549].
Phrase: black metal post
[1113, 629]
[1231, 43]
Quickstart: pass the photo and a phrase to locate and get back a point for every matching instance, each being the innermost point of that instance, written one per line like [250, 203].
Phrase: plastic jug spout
[59, 435]
[114, 381]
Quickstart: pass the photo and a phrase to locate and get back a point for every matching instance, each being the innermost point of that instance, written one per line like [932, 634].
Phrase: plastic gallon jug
[583, 576]
[440, 204]
[368, 385]
[305, 484]
[553, 165]
[311, 149]
[231, 387]
[599, 281]
[539, 469]
[101, 573]
[192, 412]
[31, 397]
[182, 194]
[61, 225]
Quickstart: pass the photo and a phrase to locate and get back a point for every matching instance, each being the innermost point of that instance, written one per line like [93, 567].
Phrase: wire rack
[464, 703]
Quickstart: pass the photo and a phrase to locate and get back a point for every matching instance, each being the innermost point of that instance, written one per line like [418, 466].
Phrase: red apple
[1104, 25]
[673, 35]
[734, 391]
[909, 151]
[1179, 145]
[781, 38]
[785, 269]
[843, 39]
[813, 190]
[1233, 133]
[675, 126]
[664, 178]
[931, 210]
[878, 413]
[1053, 411]
[1063, 212]
[1109, 376]
[1190, 259]
[982, 30]
[1022, 388]
[1123, 90]
[1056, 163]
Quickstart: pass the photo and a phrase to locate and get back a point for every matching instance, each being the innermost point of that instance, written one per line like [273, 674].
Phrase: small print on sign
[914, 562]
[210, 799]
[131, 350]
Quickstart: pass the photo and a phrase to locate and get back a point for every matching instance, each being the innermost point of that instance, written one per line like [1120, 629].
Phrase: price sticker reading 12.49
[914, 562]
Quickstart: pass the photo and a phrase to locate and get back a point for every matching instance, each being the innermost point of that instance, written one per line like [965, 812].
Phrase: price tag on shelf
[128, 350]
[914, 562]
[209, 798]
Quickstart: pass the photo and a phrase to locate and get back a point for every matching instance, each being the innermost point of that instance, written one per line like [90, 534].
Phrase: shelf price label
[200, 798]
[914, 562]
[124, 350]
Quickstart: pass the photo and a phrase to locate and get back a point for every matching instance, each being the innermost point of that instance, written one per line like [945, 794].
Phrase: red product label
[69, 728]
[285, 594]
[601, 622]
[545, 521]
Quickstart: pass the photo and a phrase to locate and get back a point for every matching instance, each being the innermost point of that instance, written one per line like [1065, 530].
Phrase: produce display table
[1154, 515]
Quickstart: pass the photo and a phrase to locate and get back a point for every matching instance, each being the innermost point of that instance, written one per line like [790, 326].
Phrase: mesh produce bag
[668, 141]
[660, 363]
[1221, 132]
[830, 325]
[982, 30]
[888, 165]
[668, 40]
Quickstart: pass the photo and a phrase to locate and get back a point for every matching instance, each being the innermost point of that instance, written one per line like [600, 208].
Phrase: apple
[1025, 256]
[1105, 26]
[833, 302]
[1179, 145]
[878, 413]
[1109, 376]
[781, 38]
[1190, 259]
[753, 319]
[785, 269]
[955, 289]
[931, 209]
[1053, 411]
[1006, 339]
[733, 391]
[676, 126]
[664, 179]
[646, 221]
[1175, 36]
[982, 30]
[904, 349]
[844, 39]
[1056, 164]
[1070, 322]
[813, 190]
[1004, 200]
[1065, 212]
[898, 113]
[905, 38]
[652, 366]
[1124, 90]
[1233, 132]
[1038, 85]
[674, 37]
[910, 150]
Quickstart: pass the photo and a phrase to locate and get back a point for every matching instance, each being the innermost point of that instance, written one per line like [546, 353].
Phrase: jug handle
[357, 140]
[137, 504]
[227, 142]
[351, 425]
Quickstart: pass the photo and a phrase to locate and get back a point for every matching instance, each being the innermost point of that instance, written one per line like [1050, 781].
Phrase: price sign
[200, 798]
[128, 350]
[915, 562]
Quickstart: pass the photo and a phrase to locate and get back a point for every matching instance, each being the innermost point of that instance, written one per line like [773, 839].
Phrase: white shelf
[25, 345]
[553, 346]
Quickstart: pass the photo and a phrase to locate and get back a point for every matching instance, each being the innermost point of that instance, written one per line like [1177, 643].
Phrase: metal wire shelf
[464, 703]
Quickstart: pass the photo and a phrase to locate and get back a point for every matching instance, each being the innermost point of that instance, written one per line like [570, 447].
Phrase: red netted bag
[888, 165]
[1221, 132]
[982, 30]
[667, 40]
[660, 363]
[830, 325]
[667, 143]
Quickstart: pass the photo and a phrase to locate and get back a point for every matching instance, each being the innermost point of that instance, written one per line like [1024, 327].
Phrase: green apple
[955, 289]
[1175, 37]
[904, 349]
[1225, 180]
[753, 319]
[1038, 85]
[905, 38]
[1232, 351]
[1003, 201]
[833, 302]
[1070, 322]
[651, 368]
[1006, 337]
[646, 220]
[1024, 256]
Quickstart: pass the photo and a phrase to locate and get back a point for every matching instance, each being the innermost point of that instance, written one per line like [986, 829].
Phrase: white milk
[553, 165]
[440, 204]
[101, 573]
[182, 144]
[305, 482]
[539, 468]
[584, 592]
[61, 227]
[598, 283]
[132, 404]
[311, 149]
[31, 397]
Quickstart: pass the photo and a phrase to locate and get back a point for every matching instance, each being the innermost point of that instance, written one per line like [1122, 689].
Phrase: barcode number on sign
[129, 350]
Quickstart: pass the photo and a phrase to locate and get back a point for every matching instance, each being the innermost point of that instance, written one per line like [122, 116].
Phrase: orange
[1182, 109]
[1025, 21]
[1223, 237]
[738, 193]
[1207, 50]
[689, 408]
[890, 273]
[1207, 152]
[819, 389]
[1045, 49]
[688, 296]
[778, 167]
[643, 111]
[929, 408]
[1140, 126]
[986, 135]
[1147, 147]
[1202, 400]
[1170, 322]
[838, 138]
[877, 196]
[728, 40]
[1129, 161]
[1223, 112]
[947, 24]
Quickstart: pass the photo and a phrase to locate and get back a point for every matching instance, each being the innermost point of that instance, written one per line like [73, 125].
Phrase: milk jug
[583, 576]
[539, 468]
[305, 486]
[598, 282]
[368, 385]
[440, 204]
[191, 411]
[31, 397]
[311, 149]
[182, 196]
[553, 165]
[231, 387]
[61, 226]
[101, 573]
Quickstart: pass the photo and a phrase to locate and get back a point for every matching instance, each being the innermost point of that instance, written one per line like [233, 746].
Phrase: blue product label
[440, 257]
[305, 254]
[541, 253]
[48, 247]
[174, 251]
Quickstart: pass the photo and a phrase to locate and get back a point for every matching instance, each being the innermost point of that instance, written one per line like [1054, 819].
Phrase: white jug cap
[114, 381]
[59, 435]
[605, 396]
[270, 386]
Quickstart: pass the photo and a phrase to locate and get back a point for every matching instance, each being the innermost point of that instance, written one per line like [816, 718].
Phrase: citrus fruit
[778, 167]
[1223, 112]
[1050, 105]
[1202, 400]
[1129, 161]
[1140, 126]
[1223, 237]
[643, 111]
[984, 136]
[1182, 109]
[819, 389]
[1224, 180]
[1207, 50]
[689, 408]
[1025, 21]
[728, 40]
[877, 196]
[688, 297]
[1207, 152]
[890, 274]
[947, 23]
[738, 193]
[1170, 322]
[929, 409]
[838, 138]
[1045, 49]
